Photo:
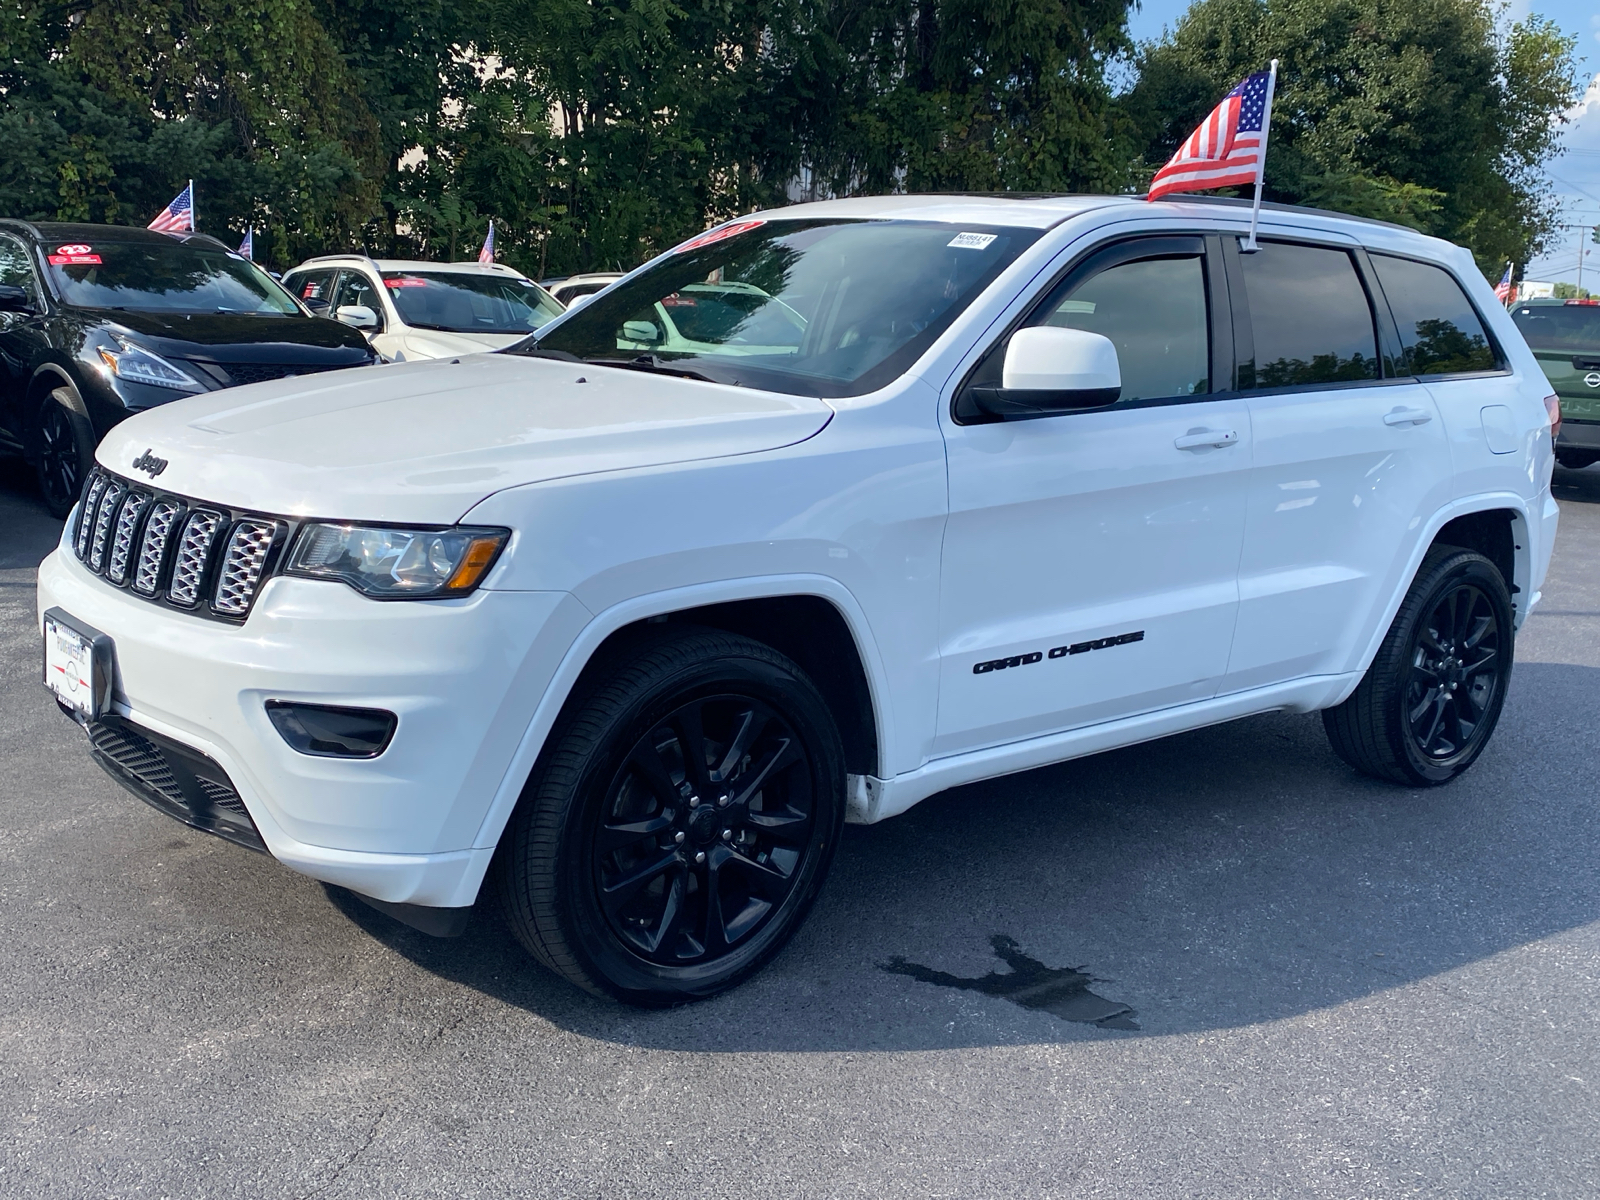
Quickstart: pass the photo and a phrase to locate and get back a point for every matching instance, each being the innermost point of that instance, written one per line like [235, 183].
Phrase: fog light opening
[328, 731]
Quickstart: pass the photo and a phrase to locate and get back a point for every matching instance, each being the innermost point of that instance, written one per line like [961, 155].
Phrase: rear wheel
[680, 821]
[1426, 707]
[64, 449]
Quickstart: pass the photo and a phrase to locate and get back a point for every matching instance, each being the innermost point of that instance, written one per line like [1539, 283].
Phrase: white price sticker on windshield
[972, 241]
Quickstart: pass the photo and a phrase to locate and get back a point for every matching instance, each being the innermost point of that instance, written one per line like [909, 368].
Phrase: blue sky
[1575, 175]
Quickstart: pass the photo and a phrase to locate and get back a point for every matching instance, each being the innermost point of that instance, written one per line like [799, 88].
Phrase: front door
[1090, 559]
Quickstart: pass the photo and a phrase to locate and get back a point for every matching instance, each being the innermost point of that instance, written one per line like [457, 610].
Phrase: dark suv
[99, 321]
[1564, 336]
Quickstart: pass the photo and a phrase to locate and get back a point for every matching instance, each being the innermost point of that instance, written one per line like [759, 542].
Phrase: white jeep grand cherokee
[916, 491]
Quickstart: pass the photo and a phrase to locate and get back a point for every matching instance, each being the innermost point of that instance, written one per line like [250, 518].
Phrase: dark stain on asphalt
[1061, 991]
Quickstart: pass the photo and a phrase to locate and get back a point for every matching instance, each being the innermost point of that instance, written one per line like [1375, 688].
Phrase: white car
[573, 289]
[411, 310]
[1030, 478]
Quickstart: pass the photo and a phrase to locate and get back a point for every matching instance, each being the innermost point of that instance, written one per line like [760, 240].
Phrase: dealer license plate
[77, 665]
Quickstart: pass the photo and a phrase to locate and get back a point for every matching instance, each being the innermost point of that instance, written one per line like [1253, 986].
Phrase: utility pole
[1594, 236]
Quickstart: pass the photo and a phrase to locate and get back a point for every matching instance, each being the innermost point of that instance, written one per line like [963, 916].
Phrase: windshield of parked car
[183, 277]
[822, 308]
[466, 302]
[1560, 326]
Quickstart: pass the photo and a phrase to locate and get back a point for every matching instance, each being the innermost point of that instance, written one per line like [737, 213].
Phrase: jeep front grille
[175, 550]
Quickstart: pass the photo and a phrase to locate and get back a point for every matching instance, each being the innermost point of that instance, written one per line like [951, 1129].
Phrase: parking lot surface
[1251, 973]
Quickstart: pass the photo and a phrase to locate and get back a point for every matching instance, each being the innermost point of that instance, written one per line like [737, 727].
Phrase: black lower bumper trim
[174, 778]
[439, 922]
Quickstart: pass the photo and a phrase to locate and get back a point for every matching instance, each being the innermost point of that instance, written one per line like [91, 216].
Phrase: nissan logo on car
[1592, 378]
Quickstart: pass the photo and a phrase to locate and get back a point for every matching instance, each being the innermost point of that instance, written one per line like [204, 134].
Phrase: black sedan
[98, 322]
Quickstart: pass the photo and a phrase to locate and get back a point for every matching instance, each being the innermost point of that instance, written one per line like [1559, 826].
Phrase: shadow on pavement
[1216, 879]
[27, 531]
[1582, 486]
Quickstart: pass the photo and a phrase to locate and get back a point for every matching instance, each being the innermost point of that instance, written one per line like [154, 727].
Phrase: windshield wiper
[654, 363]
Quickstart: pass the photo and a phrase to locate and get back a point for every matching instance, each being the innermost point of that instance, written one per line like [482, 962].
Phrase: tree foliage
[1416, 111]
[599, 132]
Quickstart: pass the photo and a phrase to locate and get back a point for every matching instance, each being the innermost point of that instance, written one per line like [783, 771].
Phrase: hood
[235, 337]
[438, 343]
[425, 441]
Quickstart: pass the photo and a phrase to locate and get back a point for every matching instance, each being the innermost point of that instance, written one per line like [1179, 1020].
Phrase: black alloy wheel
[703, 829]
[64, 452]
[1455, 674]
[1431, 698]
[680, 820]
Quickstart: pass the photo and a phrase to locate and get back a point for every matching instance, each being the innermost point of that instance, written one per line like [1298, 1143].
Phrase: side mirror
[357, 316]
[318, 307]
[1051, 370]
[638, 331]
[14, 299]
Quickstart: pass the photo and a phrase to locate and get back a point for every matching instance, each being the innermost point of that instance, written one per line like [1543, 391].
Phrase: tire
[1577, 460]
[63, 451]
[620, 844]
[1425, 710]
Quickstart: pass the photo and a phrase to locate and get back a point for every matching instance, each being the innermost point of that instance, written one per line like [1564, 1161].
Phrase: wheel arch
[48, 377]
[1497, 526]
[813, 619]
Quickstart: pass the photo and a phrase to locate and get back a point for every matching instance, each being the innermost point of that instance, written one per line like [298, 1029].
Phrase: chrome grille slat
[101, 538]
[122, 540]
[199, 531]
[242, 564]
[86, 512]
[153, 548]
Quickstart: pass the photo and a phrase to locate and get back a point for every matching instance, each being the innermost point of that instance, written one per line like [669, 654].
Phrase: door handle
[1200, 439]
[1407, 416]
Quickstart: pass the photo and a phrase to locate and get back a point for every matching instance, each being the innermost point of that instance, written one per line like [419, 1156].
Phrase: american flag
[177, 216]
[486, 255]
[1503, 289]
[1228, 147]
[248, 246]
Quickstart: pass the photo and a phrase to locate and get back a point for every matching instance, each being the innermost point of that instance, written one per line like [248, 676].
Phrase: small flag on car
[486, 255]
[248, 246]
[1504, 290]
[177, 217]
[1228, 149]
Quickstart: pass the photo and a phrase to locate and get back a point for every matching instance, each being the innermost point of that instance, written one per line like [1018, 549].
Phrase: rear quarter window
[1440, 332]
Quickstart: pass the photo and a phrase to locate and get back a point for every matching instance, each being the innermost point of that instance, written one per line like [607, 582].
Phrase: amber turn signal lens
[478, 557]
[1552, 409]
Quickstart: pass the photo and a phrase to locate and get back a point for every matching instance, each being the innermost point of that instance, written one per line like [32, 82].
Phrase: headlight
[398, 564]
[138, 365]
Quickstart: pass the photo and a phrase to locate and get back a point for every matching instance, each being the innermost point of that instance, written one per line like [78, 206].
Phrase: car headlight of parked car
[398, 564]
[138, 365]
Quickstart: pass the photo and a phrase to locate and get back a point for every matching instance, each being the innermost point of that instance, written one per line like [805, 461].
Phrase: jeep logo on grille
[149, 462]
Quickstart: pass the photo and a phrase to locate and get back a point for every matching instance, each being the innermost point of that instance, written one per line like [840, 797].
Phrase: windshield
[183, 277]
[465, 302]
[821, 308]
[1560, 326]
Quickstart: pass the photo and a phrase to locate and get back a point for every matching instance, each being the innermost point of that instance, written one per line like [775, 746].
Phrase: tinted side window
[1439, 329]
[15, 269]
[356, 288]
[312, 285]
[1310, 317]
[1154, 310]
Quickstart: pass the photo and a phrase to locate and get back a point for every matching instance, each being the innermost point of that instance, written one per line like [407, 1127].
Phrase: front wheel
[1426, 707]
[64, 446]
[679, 823]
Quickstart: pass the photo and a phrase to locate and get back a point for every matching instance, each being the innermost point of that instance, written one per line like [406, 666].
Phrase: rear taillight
[1552, 409]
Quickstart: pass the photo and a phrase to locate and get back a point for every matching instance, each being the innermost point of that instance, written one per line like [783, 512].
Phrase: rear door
[1351, 459]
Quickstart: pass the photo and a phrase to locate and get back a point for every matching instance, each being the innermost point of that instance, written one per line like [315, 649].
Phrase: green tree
[1417, 111]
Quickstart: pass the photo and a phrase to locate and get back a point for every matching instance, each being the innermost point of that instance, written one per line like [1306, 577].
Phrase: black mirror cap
[14, 299]
[1022, 404]
[329, 731]
[319, 307]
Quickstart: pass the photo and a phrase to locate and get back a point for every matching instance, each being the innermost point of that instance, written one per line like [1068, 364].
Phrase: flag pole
[1261, 162]
[194, 225]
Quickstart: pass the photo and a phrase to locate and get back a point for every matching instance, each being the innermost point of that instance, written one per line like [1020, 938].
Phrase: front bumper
[464, 676]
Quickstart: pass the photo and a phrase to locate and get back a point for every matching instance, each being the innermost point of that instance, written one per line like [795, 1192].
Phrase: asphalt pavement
[1252, 973]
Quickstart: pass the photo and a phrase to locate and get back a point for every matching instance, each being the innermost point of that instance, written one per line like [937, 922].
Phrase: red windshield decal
[74, 248]
[400, 283]
[721, 233]
[74, 260]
